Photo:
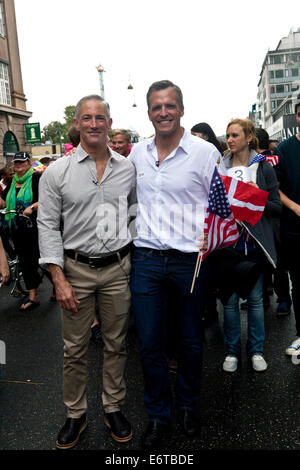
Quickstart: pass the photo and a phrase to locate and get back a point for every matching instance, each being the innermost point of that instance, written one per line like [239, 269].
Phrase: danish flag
[247, 202]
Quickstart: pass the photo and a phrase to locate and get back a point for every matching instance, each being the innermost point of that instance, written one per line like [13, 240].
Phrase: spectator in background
[256, 244]
[263, 141]
[121, 141]
[74, 137]
[4, 269]
[288, 171]
[22, 193]
[281, 278]
[204, 131]
[272, 145]
[6, 175]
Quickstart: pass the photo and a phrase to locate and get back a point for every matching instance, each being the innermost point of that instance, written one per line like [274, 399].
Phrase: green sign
[33, 133]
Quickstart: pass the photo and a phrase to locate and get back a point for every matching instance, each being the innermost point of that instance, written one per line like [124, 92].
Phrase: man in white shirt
[174, 170]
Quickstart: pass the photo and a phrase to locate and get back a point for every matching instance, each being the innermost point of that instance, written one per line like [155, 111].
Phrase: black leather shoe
[153, 435]
[189, 423]
[70, 432]
[120, 428]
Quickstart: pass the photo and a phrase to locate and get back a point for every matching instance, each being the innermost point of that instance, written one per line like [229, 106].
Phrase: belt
[171, 253]
[99, 261]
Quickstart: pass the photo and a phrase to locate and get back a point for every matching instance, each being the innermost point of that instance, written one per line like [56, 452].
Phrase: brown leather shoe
[70, 432]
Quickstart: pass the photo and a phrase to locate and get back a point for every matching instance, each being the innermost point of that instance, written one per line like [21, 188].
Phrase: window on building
[5, 97]
[278, 73]
[295, 57]
[271, 74]
[279, 88]
[292, 72]
[277, 59]
[2, 31]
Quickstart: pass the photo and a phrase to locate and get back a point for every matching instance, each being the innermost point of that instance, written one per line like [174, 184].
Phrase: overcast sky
[213, 50]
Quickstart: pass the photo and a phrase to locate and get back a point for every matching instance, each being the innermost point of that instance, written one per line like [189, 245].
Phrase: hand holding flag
[220, 228]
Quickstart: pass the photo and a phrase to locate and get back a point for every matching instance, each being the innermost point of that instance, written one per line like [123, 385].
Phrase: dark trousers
[282, 285]
[151, 276]
[281, 276]
[27, 248]
[291, 262]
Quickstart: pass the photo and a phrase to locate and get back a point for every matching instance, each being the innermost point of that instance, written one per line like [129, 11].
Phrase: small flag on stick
[220, 227]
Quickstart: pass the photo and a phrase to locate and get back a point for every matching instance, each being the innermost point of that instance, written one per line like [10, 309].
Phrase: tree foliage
[55, 129]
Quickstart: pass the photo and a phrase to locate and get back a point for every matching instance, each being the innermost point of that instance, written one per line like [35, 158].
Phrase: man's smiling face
[164, 111]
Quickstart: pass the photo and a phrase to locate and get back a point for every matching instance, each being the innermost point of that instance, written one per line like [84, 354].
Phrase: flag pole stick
[197, 269]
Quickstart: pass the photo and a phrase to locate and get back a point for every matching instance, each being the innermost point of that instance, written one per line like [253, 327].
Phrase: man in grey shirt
[85, 241]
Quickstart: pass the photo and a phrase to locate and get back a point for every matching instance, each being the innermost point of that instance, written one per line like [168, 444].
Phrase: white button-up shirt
[172, 197]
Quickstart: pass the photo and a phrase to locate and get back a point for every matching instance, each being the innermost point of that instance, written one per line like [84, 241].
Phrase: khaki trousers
[110, 286]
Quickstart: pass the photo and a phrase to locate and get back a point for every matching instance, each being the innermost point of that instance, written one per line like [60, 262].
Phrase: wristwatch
[32, 208]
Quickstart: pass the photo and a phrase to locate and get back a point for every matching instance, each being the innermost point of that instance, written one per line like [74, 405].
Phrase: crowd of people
[114, 225]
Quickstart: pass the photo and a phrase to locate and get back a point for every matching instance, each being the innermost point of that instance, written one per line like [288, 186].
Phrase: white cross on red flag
[246, 201]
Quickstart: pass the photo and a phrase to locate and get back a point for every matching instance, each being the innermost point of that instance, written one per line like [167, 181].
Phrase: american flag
[219, 224]
[272, 159]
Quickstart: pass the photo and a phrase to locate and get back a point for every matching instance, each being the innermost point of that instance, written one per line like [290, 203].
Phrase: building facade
[13, 112]
[279, 88]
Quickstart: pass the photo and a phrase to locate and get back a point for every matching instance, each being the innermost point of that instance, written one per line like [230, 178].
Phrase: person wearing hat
[22, 193]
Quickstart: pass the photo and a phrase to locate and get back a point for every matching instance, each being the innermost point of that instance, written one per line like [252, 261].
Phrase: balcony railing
[283, 80]
[280, 95]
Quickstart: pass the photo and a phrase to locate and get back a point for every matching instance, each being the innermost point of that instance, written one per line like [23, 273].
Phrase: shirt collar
[184, 143]
[82, 154]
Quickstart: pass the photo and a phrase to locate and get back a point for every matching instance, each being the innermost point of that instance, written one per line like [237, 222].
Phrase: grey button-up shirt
[78, 213]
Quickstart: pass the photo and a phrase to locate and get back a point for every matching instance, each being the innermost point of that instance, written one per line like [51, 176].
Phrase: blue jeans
[256, 329]
[152, 272]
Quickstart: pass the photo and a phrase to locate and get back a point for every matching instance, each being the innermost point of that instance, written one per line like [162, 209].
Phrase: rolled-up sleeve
[49, 219]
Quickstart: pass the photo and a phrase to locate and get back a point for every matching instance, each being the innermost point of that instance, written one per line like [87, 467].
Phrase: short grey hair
[92, 97]
[162, 85]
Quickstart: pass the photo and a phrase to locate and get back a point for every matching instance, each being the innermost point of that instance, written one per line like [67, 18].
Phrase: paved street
[243, 411]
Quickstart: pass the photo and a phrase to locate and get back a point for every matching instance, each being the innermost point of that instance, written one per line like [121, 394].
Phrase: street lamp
[100, 69]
